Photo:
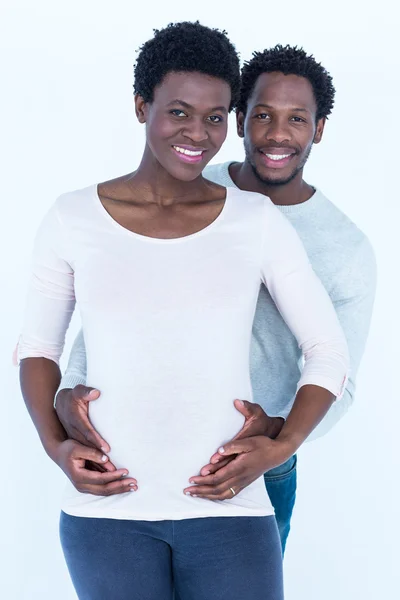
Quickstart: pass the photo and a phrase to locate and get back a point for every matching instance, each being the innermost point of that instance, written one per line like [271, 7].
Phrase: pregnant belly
[161, 438]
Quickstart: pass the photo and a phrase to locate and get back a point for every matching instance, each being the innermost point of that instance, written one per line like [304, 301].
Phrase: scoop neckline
[219, 218]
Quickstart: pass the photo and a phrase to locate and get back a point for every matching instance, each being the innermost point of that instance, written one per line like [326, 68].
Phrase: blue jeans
[281, 484]
[218, 558]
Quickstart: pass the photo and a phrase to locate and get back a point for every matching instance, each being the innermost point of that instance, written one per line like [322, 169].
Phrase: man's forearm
[310, 406]
[40, 378]
[76, 371]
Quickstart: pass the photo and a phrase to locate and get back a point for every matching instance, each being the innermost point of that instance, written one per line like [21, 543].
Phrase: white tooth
[188, 152]
[277, 156]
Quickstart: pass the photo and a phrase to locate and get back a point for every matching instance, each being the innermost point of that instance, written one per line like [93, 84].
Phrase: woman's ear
[140, 108]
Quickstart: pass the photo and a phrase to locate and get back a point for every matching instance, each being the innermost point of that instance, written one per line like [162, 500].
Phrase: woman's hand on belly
[252, 457]
[72, 457]
[256, 423]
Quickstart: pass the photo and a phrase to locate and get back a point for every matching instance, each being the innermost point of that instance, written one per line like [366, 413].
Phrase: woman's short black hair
[289, 60]
[186, 47]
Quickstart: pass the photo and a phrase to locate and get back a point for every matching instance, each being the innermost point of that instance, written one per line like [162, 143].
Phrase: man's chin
[274, 179]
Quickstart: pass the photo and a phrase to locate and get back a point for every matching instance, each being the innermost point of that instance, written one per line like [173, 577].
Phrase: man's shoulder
[325, 220]
[219, 173]
[343, 227]
[339, 250]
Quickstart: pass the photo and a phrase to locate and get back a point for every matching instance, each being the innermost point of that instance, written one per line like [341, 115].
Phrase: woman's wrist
[291, 442]
[276, 452]
[52, 445]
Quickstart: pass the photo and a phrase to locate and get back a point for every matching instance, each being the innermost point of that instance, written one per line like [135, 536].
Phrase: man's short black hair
[188, 47]
[289, 60]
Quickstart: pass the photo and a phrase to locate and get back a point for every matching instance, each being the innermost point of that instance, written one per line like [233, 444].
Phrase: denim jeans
[281, 484]
[217, 558]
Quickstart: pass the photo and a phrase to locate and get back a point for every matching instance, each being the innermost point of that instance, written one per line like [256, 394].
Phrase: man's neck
[296, 191]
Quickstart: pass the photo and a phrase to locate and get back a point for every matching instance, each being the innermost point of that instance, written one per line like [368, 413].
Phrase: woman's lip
[191, 148]
[186, 157]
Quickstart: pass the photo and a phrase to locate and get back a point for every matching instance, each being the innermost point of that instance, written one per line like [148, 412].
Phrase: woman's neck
[155, 185]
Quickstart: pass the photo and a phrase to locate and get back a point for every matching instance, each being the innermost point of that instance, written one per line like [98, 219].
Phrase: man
[285, 100]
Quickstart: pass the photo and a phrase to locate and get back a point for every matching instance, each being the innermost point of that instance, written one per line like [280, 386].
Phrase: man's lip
[277, 163]
[277, 151]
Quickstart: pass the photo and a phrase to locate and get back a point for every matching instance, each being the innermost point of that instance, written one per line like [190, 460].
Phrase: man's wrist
[60, 392]
[274, 427]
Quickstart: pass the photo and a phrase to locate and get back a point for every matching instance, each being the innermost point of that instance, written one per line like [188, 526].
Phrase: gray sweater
[343, 259]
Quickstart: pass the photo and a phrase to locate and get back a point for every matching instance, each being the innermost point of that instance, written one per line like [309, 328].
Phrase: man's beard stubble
[276, 182]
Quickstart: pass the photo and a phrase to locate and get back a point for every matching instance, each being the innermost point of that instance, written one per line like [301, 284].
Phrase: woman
[165, 267]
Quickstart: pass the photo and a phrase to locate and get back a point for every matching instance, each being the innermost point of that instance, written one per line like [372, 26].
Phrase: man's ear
[240, 123]
[320, 130]
[140, 108]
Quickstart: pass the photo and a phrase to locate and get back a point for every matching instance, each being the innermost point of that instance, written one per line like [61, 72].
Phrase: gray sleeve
[76, 370]
[354, 303]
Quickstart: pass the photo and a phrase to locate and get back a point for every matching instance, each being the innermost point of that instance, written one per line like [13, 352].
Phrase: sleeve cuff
[325, 382]
[69, 380]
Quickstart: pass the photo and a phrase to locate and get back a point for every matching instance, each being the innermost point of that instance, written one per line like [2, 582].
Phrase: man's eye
[215, 119]
[298, 120]
[262, 116]
[178, 113]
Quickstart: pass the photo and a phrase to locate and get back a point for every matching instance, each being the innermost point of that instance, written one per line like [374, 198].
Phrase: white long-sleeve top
[167, 325]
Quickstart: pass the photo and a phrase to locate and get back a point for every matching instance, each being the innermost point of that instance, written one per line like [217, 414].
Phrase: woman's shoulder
[260, 214]
[250, 198]
[253, 203]
[75, 202]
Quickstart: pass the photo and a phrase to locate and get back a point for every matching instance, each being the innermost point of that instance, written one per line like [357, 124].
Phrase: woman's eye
[178, 113]
[215, 119]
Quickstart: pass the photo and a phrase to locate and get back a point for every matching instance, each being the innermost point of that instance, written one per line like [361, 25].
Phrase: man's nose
[278, 131]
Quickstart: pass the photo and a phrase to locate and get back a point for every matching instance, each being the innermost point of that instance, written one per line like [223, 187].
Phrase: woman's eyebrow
[189, 106]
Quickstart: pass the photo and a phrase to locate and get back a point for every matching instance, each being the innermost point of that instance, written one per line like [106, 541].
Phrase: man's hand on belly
[72, 408]
[257, 422]
[251, 458]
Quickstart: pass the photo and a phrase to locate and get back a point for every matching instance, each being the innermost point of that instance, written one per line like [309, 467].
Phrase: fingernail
[188, 493]
[191, 481]
[194, 496]
[103, 448]
[124, 474]
[104, 458]
[206, 473]
[241, 402]
[132, 489]
[132, 484]
[221, 450]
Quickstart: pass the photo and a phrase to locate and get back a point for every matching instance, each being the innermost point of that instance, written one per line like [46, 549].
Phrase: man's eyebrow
[294, 109]
[189, 106]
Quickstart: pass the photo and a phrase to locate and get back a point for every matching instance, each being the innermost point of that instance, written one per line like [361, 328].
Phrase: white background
[67, 120]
